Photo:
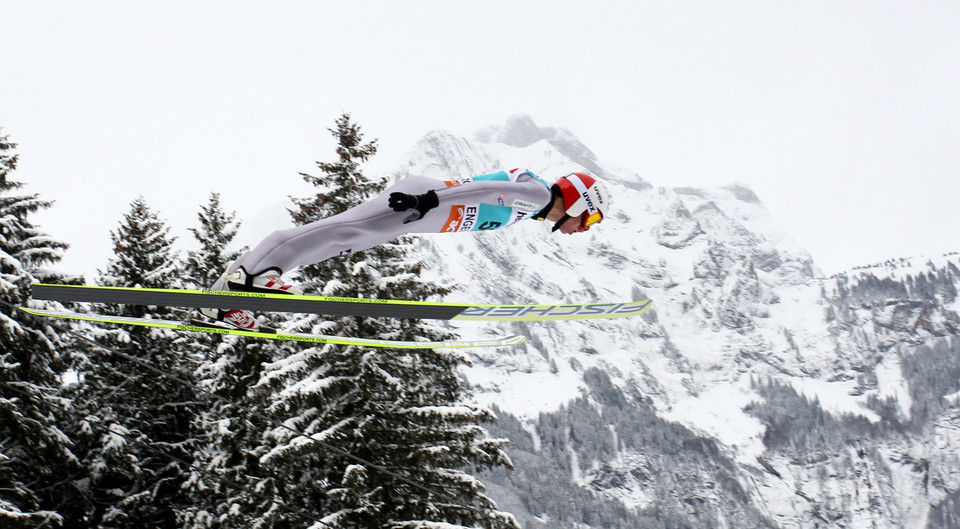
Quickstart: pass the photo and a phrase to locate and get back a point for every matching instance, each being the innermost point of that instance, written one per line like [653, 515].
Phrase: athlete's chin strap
[542, 215]
[556, 225]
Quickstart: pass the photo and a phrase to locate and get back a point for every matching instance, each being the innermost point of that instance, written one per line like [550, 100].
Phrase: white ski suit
[485, 202]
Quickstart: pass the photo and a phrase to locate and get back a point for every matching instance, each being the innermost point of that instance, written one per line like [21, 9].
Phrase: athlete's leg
[361, 227]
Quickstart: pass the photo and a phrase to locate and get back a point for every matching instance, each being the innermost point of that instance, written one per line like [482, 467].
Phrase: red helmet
[583, 193]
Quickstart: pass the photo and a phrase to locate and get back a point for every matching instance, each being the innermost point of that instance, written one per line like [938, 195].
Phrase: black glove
[421, 204]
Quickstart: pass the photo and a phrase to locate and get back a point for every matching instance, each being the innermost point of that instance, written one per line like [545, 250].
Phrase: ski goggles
[589, 219]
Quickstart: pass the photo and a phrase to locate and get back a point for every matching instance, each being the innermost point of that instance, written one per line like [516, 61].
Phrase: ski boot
[230, 319]
[268, 281]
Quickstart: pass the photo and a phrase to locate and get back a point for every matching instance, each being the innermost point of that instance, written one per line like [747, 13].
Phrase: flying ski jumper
[414, 205]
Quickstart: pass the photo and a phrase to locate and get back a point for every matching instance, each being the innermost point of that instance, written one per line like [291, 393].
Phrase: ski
[372, 307]
[300, 337]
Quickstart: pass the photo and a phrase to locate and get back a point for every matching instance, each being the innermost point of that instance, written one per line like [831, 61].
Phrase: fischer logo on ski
[548, 312]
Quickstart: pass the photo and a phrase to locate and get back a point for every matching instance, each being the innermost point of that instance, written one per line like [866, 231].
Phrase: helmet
[581, 194]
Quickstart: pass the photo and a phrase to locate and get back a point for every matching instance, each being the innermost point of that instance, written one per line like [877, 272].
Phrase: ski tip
[516, 339]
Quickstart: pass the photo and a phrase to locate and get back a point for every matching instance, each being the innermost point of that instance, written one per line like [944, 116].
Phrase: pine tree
[215, 234]
[226, 486]
[399, 414]
[36, 457]
[137, 430]
[143, 254]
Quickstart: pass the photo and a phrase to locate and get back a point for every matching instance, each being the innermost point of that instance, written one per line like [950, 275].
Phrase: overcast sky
[844, 117]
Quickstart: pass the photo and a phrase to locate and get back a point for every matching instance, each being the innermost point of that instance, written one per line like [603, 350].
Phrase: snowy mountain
[755, 393]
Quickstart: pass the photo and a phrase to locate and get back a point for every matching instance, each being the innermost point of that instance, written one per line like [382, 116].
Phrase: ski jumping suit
[485, 202]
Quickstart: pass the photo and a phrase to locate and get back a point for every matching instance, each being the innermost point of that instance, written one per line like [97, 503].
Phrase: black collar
[546, 211]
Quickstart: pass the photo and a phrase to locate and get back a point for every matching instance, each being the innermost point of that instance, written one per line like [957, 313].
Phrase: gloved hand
[402, 201]
[421, 204]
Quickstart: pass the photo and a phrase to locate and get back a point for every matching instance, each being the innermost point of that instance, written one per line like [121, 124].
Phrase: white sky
[844, 117]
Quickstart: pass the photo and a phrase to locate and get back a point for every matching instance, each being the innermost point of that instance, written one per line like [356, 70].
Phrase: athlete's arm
[527, 193]
[524, 191]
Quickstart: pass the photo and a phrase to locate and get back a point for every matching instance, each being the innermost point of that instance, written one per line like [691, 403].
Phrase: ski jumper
[485, 202]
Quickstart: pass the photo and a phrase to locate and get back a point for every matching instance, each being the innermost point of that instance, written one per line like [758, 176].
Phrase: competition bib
[489, 216]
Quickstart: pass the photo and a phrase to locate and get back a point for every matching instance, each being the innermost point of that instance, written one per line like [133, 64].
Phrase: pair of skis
[269, 302]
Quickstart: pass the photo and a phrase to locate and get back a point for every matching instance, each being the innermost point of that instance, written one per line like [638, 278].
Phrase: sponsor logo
[462, 218]
[469, 218]
[198, 328]
[232, 293]
[523, 204]
[500, 199]
[304, 338]
[557, 311]
[353, 300]
[452, 183]
[590, 207]
[453, 221]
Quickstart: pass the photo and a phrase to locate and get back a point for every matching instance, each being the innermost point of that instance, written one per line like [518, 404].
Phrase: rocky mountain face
[755, 393]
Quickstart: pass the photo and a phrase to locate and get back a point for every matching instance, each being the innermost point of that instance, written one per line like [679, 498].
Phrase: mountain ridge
[742, 320]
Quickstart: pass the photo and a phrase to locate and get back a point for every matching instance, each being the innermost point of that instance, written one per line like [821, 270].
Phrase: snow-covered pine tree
[216, 233]
[137, 431]
[226, 486]
[398, 413]
[36, 457]
[143, 257]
